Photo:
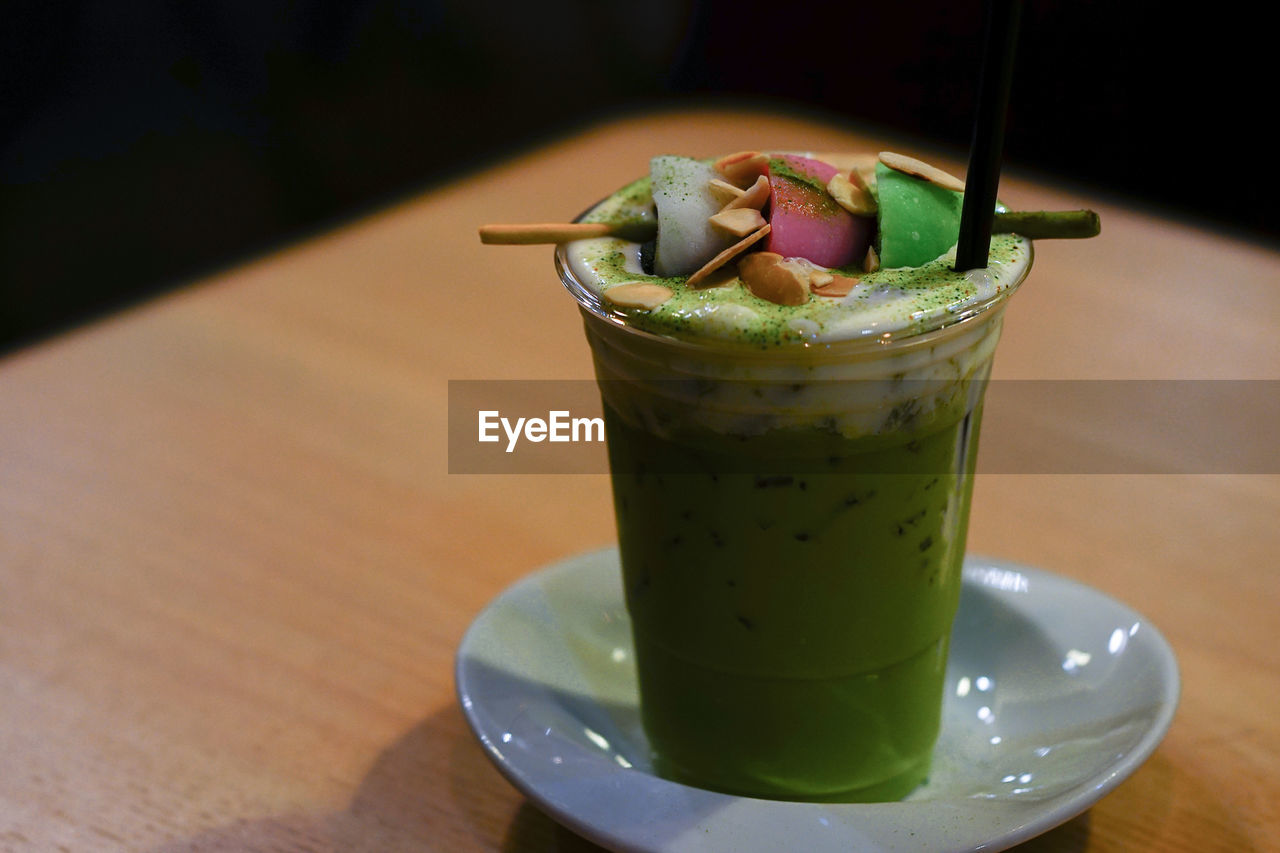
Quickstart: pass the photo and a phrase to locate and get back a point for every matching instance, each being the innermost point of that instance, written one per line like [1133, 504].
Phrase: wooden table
[234, 569]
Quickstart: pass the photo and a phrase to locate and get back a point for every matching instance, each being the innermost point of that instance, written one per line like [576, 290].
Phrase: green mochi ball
[918, 220]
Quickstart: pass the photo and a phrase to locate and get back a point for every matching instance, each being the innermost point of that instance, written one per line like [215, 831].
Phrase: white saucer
[1056, 693]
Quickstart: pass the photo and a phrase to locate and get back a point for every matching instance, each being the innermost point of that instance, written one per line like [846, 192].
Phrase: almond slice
[727, 255]
[840, 285]
[727, 274]
[739, 221]
[754, 197]
[871, 262]
[736, 157]
[723, 191]
[920, 169]
[638, 294]
[849, 195]
[862, 179]
[819, 278]
[862, 162]
[743, 168]
[770, 277]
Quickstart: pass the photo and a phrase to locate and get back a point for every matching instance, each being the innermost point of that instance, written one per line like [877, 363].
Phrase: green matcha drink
[792, 419]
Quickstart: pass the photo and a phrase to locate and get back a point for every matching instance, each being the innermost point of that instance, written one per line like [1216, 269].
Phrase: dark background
[144, 143]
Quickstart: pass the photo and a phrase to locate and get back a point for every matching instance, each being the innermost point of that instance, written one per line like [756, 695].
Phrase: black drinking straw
[983, 178]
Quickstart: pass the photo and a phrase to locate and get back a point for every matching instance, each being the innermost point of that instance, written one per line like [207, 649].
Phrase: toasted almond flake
[739, 221]
[755, 197]
[840, 285]
[920, 169]
[770, 277]
[853, 198]
[863, 179]
[871, 262]
[743, 168]
[736, 157]
[862, 163]
[638, 294]
[696, 280]
[727, 274]
[818, 278]
[723, 191]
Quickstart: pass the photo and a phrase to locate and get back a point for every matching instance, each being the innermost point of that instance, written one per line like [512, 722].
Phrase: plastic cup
[791, 523]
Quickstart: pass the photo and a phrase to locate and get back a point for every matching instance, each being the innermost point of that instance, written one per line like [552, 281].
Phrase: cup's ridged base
[858, 738]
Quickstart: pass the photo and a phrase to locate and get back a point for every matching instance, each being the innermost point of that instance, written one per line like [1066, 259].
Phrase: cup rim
[878, 346]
